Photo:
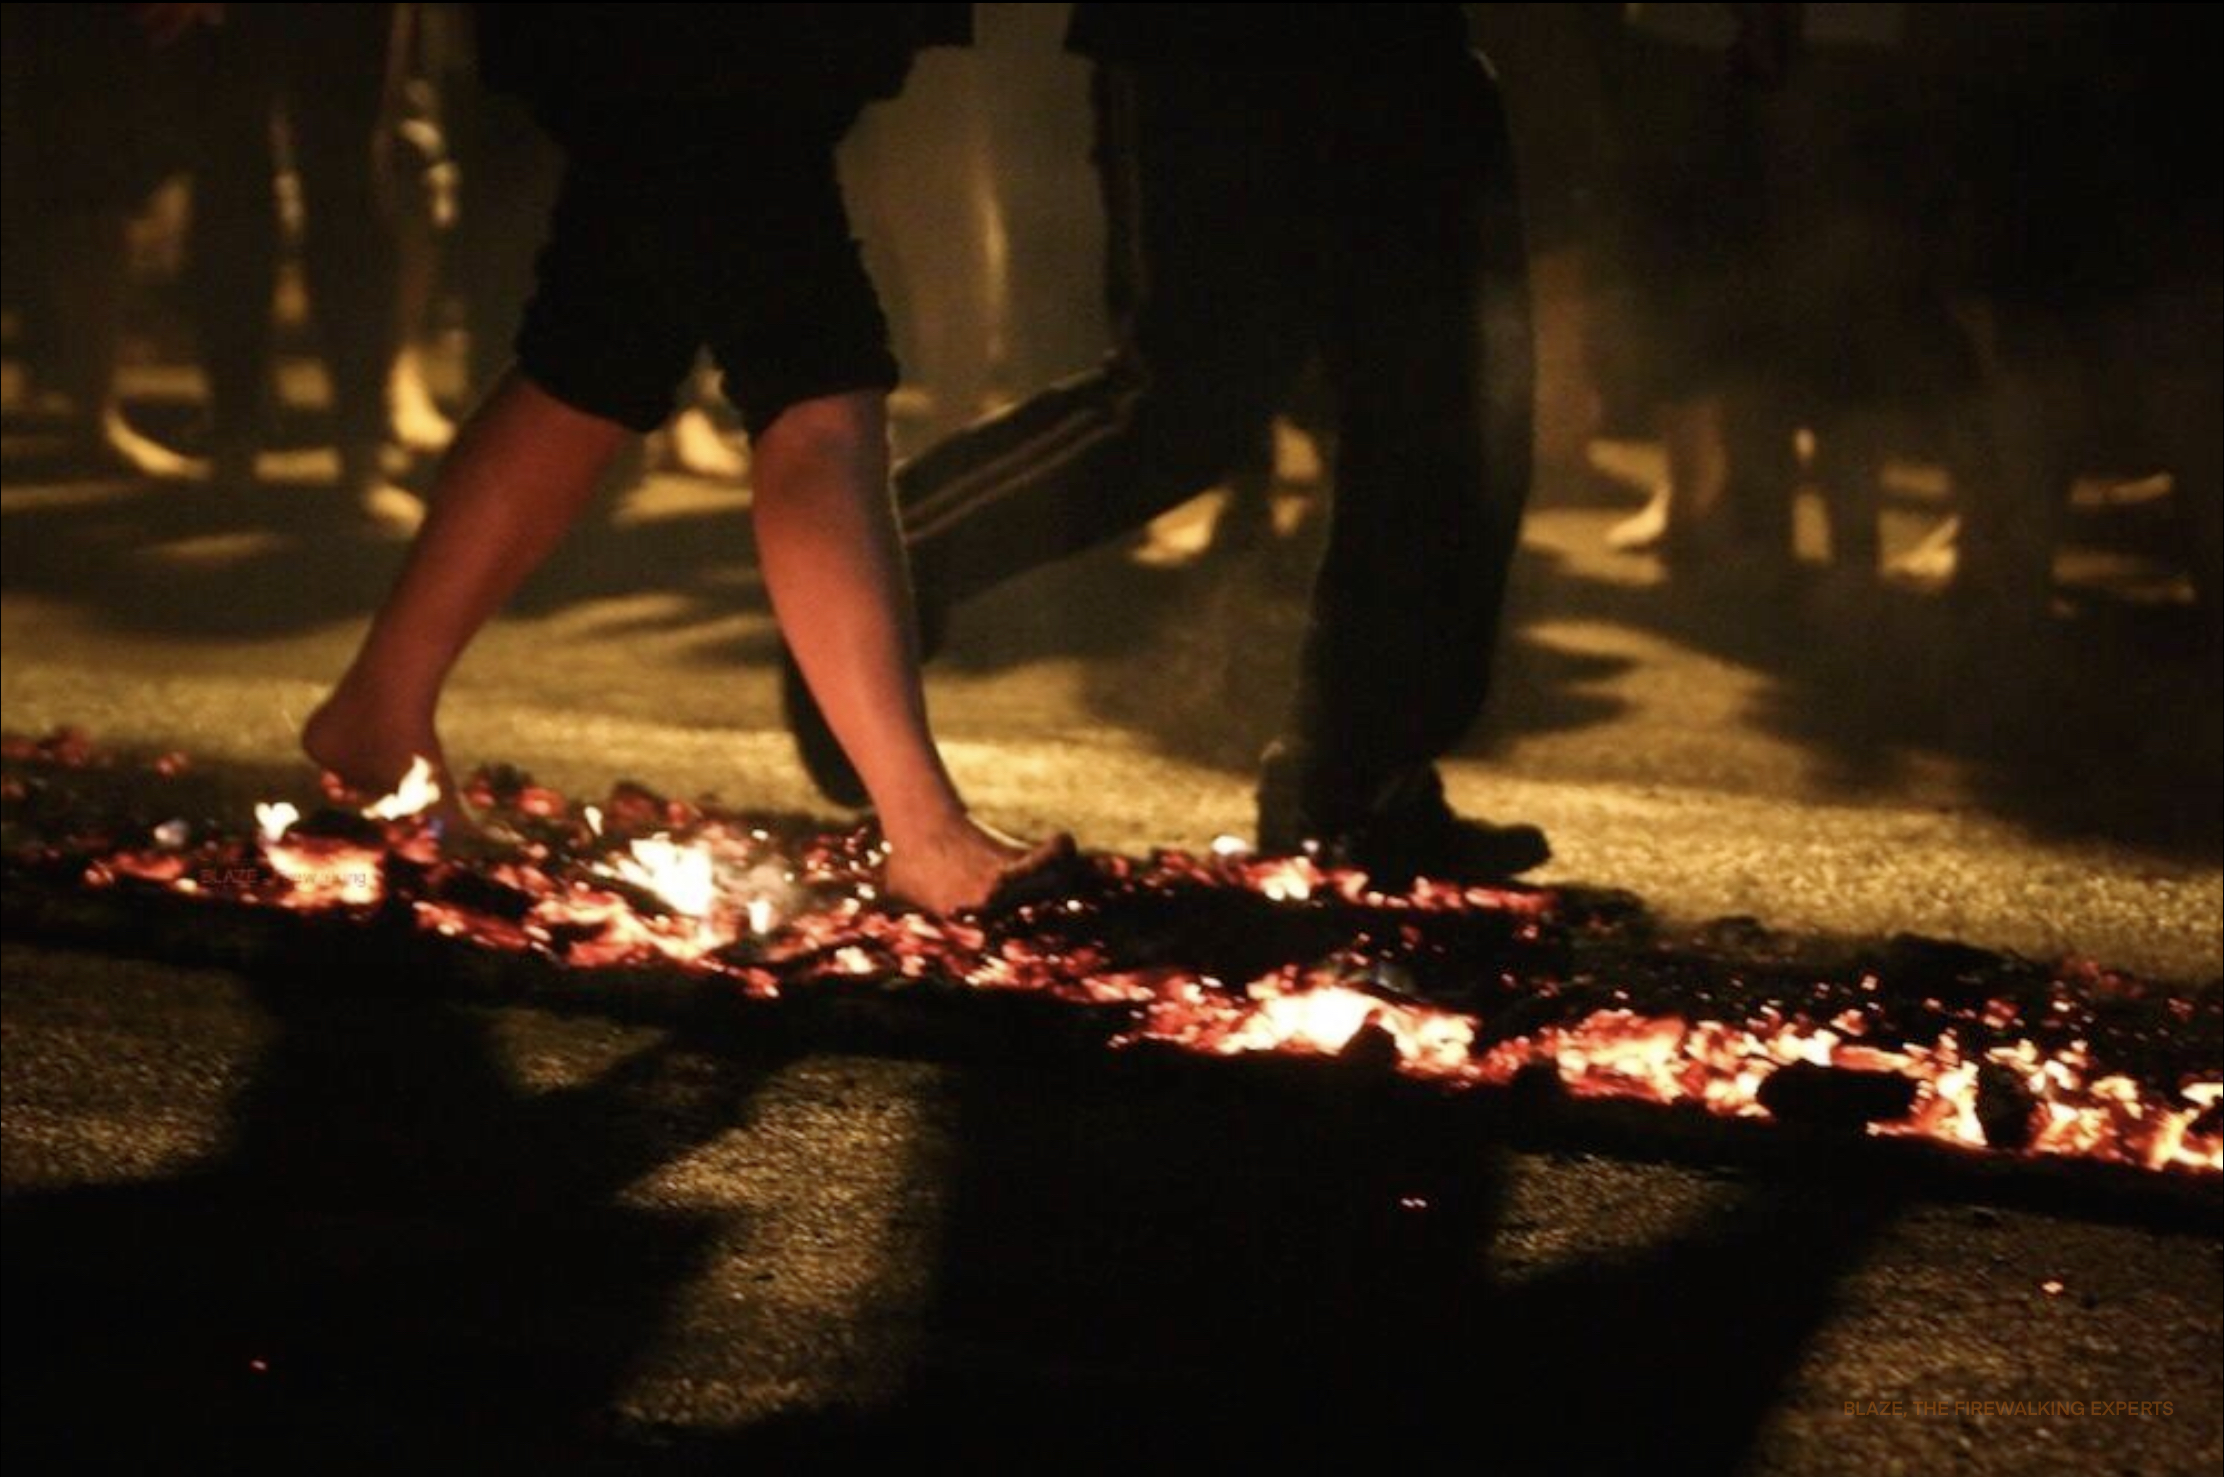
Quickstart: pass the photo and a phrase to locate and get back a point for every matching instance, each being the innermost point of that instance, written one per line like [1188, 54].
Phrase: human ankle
[925, 829]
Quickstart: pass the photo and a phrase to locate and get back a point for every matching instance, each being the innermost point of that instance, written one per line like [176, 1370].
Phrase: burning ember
[417, 793]
[1470, 987]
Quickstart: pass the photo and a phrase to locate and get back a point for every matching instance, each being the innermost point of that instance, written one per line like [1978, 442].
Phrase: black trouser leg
[1430, 360]
[1209, 335]
[234, 247]
[337, 65]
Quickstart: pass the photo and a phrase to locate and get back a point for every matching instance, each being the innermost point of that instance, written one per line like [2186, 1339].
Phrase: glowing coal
[677, 873]
[1226, 954]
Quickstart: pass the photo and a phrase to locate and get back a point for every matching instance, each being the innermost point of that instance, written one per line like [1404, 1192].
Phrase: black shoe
[1403, 830]
[837, 779]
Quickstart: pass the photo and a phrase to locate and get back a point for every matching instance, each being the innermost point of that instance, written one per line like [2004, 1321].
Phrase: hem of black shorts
[755, 420]
[555, 389]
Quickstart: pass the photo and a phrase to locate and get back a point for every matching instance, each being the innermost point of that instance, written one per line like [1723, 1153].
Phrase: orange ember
[640, 879]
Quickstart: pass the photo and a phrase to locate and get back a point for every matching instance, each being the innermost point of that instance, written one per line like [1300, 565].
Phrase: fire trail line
[1967, 1058]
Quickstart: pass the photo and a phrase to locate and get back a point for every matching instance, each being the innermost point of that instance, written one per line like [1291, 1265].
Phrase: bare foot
[419, 423]
[693, 444]
[380, 505]
[1933, 561]
[1645, 530]
[389, 509]
[966, 866]
[368, 754]
[113, 443]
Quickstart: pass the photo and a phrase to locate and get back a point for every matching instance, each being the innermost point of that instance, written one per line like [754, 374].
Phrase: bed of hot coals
[1218, 953]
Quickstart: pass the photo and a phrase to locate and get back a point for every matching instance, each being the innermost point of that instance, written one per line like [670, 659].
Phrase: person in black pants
[1318, 179]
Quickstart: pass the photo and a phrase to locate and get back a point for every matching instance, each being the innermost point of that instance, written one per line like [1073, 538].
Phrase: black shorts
[681, 226]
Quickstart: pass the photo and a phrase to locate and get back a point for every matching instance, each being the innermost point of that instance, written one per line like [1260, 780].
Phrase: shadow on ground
[404, 1258]
[406, 1262]
[2104, 726]
[195, 562]
[1293, 1270]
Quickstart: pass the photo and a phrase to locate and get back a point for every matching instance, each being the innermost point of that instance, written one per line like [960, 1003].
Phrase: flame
[417, 793]
[328, 874]
[1289, 880]
[273, 819]
[1322, 1020]
[684, 876]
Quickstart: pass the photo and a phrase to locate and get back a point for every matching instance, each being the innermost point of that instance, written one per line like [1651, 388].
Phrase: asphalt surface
[250, 1218]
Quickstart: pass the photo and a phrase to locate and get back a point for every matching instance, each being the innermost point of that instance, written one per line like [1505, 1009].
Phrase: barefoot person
[699, 208]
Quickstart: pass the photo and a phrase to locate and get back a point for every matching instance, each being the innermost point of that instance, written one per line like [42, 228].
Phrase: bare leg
[691, 441]
[826, 532]
[522, 469]
[419, 423]
[693, 444]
